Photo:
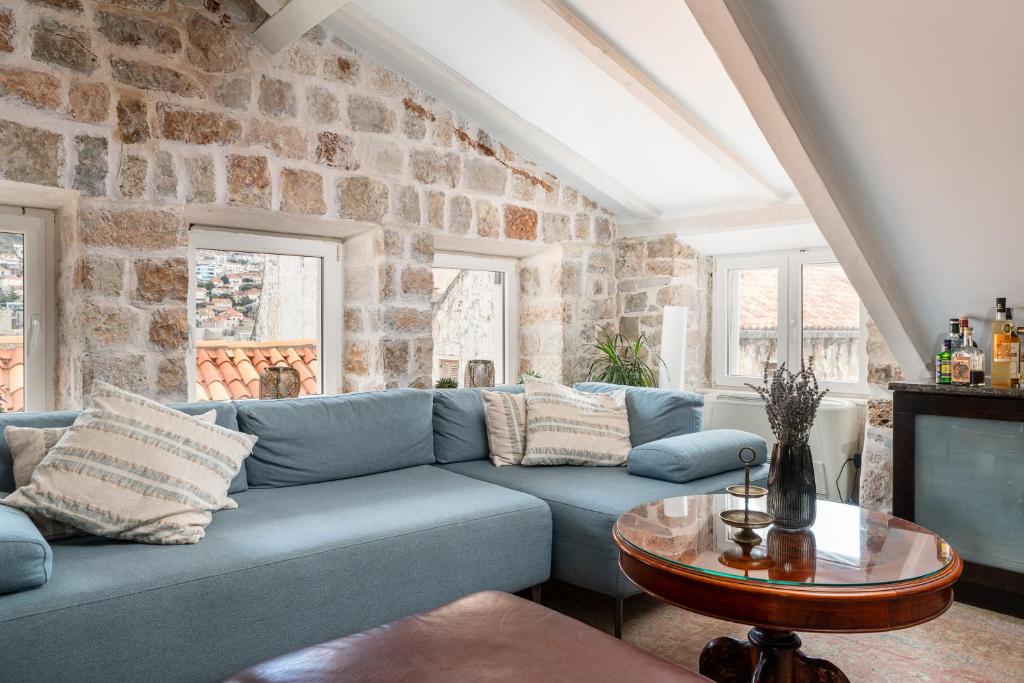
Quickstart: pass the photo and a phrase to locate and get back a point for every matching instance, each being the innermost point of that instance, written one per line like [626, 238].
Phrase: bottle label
[961, 370]
[1001, 348]
[1015, 359]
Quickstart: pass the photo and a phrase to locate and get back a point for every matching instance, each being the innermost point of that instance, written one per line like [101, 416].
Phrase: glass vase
[792, 497]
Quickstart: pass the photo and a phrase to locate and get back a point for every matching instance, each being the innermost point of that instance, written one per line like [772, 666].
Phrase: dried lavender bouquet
[791, 401]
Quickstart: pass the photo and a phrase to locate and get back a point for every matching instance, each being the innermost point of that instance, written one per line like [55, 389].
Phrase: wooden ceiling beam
[292, 20]
[771, 216]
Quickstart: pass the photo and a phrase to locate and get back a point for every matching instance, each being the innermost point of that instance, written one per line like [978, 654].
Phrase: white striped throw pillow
[569, 427]
[505, 415]
[132, 469]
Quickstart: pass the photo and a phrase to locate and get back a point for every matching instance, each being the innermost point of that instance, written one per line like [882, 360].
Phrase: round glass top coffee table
[854, 571]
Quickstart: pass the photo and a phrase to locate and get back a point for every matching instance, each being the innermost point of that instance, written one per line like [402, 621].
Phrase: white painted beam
[271, 7]
[558, 17]
[771, 216]
[764, 90]
[366, 33]
[292, 20]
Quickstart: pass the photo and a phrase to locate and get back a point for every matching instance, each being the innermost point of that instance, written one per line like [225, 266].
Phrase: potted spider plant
[613, 359]
[791, 400]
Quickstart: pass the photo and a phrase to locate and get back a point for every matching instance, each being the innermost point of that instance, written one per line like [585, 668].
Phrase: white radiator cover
[835, 437]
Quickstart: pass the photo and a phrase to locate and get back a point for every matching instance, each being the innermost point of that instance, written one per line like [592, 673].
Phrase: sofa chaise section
[289, 568]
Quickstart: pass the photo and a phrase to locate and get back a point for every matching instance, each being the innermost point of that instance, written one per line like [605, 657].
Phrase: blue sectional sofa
[354, 510]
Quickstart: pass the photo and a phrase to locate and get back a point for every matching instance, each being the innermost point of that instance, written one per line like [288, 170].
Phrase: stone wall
[148, 106]
[655, 272]
[876, 452]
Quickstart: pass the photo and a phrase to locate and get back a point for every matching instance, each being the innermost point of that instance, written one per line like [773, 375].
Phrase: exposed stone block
[201, 180]
[421, 247]
[629, 326]
[161, 280]
[131, 177]
[135, 31]
[555, 227]
[520, 223]
[298, 60]
[417, 282]
[132, 121]
[100, 275]
[277, 98]
[126, 371]
[172, 378]
[353, 320]
[61, 45]
[662, 247]
[132, 229]
[233, 93]
[7, 29]
[488, 222]
[485, 175]
[91, 170]
[383, 156]
[213, 48]
[581, 225]
[572, 279]
[107, 326]
[168, 328]
[393, 242]
[629, 258]
[302, 192]
[32, 87]
[344, 69]
[357, 358]
[407, 204]
[153, 77]
[150, 5]
[30, 155]
[523, 187]
[635, 302]
[387, 82]
[165, 177]
[248, 180]
[880, 413]
[413, 126]
[89, 102]
[322, 106]
[197, 127]
[602, 230]
[435, 210]
[66, 5]
[282, 140]
[410, 320]
[434, 168]
[369, 114]
[395, 357]
[363, 199]
[386, 282]
[460, 215]
[336, 151]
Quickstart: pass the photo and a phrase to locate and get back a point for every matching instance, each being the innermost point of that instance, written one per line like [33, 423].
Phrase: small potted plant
[447, 383]
[791, 401]
[613, 359]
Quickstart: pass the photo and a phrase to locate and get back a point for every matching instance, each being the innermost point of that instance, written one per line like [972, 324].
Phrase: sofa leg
[618, 618]
[535, 594]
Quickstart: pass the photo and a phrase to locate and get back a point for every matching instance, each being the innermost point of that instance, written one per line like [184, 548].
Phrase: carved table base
[768, 656]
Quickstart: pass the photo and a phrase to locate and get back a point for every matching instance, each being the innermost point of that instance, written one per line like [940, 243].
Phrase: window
[475, 315]
[262, 300]
[784, 307]
[26, 310]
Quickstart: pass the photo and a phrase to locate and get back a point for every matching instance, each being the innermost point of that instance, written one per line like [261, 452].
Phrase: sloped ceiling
[917, 112]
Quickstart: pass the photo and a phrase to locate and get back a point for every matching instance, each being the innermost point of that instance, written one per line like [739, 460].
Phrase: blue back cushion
[460, 431]
[656, 413]
[226, 417]
[324, 438]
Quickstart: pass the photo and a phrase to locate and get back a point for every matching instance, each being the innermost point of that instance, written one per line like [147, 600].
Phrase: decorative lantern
[480, 373]
[279, 381]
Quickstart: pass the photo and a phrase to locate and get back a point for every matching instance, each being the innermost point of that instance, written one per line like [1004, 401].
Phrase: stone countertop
[956, 390]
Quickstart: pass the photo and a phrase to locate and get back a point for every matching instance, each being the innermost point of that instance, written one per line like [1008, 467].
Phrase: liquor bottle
[965, 322]
[1002, 339]
[954, 334]
[1014, 351]
[967, 366]
[942, 363]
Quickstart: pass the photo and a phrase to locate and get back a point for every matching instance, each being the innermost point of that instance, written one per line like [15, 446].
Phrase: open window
[259, 300]
[26, 310]
[783, 307]
[475, 315]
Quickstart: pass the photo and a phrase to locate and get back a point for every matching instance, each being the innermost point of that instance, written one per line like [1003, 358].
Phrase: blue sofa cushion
[585, 503]
[687, 457]
[290, 568]
[324, 438]
[460, 430]
[656, 413]
[225, 418]
[25, 557]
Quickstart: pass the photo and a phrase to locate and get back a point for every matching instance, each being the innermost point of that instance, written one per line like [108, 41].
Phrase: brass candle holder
[746, 520]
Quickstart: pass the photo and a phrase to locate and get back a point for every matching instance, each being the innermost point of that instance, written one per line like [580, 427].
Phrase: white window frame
[36, 227]
[789, 265]
[509, 269]
[258, 242]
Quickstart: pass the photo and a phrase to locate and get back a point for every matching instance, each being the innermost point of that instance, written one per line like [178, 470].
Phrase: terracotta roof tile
[230, 369]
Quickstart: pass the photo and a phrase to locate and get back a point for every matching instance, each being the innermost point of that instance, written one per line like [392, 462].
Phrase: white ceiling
[917, 111]
[513, 56]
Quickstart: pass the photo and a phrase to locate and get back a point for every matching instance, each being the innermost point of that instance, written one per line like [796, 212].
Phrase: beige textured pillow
[29, 445]
[132, 469]
[569, 427]
[505, 414]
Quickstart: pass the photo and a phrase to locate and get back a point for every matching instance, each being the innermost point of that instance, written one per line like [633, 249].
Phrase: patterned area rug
[966, 644]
